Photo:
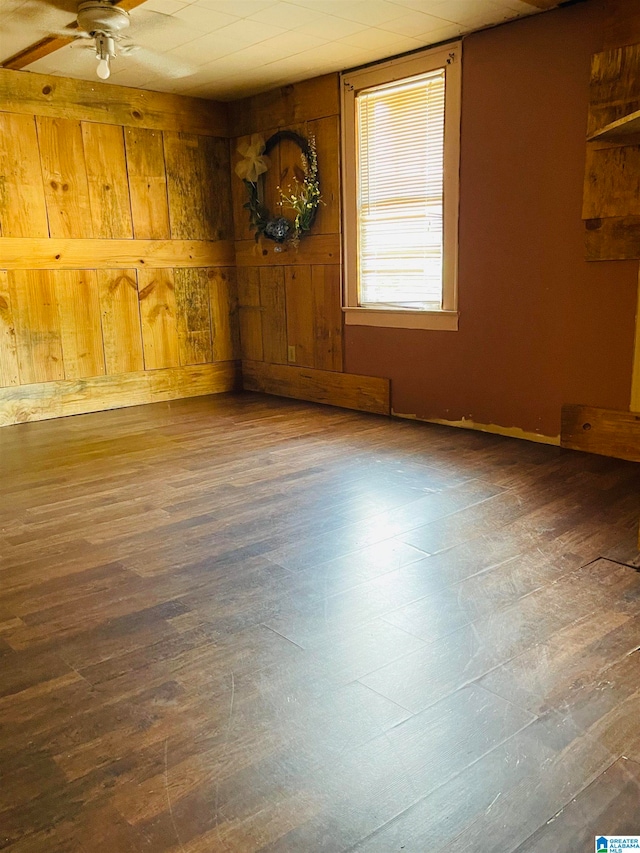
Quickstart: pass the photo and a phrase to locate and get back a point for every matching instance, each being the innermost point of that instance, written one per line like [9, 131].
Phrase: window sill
[444, 321]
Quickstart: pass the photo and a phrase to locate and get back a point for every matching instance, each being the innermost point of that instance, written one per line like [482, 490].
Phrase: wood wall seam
[42, 253]
[313, 249]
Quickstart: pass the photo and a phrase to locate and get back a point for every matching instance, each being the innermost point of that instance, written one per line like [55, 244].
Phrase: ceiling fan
[102, 25]
[106, 24]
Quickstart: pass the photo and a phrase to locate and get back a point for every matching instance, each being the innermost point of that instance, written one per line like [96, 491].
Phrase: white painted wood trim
[397, 319]
[448, 57]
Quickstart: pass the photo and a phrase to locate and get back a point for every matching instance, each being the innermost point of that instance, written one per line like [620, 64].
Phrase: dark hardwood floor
[250, 624]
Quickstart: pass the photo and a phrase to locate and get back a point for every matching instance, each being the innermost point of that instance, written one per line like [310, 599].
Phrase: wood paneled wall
[117, 276]
[611, 204]
[612, 178]
[290, 301]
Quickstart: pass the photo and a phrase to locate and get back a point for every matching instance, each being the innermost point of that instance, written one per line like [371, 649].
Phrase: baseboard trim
[607, 432]
[45, 400]
[346, 390]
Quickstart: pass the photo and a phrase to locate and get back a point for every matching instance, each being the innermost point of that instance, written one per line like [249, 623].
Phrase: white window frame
[448, 57]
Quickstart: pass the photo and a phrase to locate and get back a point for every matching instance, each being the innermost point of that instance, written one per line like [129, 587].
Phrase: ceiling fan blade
[37, 18]
[165, 64]
[70, 32]
[39, 14]
[69, 7]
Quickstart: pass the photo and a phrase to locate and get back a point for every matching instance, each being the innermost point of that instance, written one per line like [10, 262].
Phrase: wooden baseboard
[346, 390]
[45, 400]
[603, 431]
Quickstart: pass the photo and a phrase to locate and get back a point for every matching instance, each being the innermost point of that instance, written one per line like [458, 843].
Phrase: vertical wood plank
[22, 208]
[224, 314]
[156, 292]
[78, 305]
[612, 182]
[147, 183]
[193, 315]
[107, 178]
[242, 230]
[218, 165]
[288, 168]
[300, 315]
[327, 295]
[327, 135]
[65, 177]
[9, 372]
[120, 311]
[613, 90]
[37, 326]
[635, 381]
[250, 313]
[611, 185]
[199, 189]
[287, 105]
[274, 318]
[269, 184]
[273, 179]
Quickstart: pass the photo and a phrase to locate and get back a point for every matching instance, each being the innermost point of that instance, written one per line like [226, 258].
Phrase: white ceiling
[236, 48]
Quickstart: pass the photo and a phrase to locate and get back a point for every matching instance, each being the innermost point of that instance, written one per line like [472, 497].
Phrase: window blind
[400, 150]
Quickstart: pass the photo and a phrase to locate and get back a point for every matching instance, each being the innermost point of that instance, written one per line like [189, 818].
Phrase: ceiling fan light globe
[103, 71]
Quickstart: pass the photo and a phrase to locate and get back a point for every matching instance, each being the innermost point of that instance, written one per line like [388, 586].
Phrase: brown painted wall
[539, 326]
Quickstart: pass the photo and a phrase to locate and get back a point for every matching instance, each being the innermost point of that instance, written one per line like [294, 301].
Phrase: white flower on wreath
[254, 163]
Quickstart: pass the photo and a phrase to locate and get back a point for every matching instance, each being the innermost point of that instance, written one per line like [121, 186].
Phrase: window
[401, 144]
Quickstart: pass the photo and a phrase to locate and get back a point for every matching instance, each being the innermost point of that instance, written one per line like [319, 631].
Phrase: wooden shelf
[625, 130]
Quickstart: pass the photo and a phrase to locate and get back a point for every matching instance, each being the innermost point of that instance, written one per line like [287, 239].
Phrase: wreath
[302, 195]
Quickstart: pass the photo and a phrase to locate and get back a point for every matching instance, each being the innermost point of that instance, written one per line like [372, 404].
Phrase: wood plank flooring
[247, 624]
